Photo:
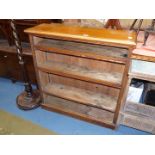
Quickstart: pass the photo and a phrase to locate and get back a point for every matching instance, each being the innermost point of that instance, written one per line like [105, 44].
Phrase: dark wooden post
[29, 99]
[149, 30]
[139, 25]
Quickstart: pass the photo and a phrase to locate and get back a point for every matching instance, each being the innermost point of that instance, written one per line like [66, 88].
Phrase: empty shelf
[86, 97]
[112, 79]
[99, 52]
[84, 112]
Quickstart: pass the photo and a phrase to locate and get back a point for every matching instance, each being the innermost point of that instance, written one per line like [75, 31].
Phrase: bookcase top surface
[84, 34]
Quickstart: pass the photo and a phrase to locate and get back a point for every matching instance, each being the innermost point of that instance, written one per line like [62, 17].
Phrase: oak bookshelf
[82, 72]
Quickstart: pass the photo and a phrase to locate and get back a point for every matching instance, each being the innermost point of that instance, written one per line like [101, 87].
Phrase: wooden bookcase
[82, 72]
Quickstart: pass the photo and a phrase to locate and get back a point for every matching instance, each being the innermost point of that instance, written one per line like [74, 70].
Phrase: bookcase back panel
[85, 62]
[110, 51]
[96, 88]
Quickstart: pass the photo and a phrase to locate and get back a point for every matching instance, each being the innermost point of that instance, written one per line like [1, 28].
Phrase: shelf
[98, 52]
[86, 97]
[143, 57]
[142, 76]
[4, 47]
[82, 73]
[84, 112]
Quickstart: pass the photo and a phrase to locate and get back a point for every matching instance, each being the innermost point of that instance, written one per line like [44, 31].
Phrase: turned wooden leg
[146, 35]
[133, 24]
[139, 25]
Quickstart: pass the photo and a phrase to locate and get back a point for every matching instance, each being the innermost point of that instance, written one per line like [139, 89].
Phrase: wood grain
[85, 69]
[138, 122]
[91, 64]
[84, 50]
[143, 57]
[140, 109]
[12, 49]
[101, 117]
[102, 101]
[91, 35]
[112, 79]
[84, 85]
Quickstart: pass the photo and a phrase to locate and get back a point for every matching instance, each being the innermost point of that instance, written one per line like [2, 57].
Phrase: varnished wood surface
[123, 90]
[84, 112]
[12, 49]
[143, 57]
[84, 50]
[21, 24]
[80, 66]
[83, 34]
[112, 79]
[9, 65]
[102, 101]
